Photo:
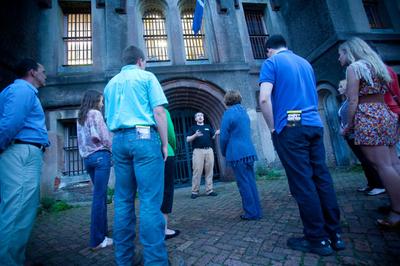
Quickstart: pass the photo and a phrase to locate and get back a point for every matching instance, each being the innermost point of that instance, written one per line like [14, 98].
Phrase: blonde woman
[375, 126]
[374, 185]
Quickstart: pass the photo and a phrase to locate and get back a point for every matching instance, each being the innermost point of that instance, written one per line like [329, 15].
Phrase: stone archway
[196, 94]
[185, 97]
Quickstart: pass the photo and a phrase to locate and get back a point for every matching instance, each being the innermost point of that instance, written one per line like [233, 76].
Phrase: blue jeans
[98, 166]
[20, 170]
[138, 165]
[246, 182]
[302, 153]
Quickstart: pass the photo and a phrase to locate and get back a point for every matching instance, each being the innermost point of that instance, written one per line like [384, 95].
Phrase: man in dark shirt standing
[23, 138]
[201, 136]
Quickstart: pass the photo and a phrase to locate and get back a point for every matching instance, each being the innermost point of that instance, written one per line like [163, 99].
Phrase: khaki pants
[20, 170]
[203, 158]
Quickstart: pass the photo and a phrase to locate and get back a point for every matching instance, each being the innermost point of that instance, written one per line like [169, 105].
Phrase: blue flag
[198, 16]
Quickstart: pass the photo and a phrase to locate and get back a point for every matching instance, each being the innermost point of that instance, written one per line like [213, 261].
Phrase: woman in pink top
[94, 143]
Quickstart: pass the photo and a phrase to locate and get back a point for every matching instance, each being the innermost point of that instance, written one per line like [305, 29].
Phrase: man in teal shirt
[134, 110]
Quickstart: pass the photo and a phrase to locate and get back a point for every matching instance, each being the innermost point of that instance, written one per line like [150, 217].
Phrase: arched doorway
[186, 97]
[336, 148]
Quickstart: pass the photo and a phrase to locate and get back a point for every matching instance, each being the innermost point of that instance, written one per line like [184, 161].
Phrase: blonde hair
[359, 54]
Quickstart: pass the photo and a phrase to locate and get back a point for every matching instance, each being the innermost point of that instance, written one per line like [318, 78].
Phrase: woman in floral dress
[375, 126]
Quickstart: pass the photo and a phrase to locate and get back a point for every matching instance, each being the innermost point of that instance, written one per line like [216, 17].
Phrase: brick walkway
[213, 234]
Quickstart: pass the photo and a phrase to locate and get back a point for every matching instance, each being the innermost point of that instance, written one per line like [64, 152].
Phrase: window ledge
[75, 69]
[158, 63]
[197, 62]
[206, 67]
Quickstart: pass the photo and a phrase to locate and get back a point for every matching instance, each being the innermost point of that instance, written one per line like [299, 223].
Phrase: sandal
[387, 224]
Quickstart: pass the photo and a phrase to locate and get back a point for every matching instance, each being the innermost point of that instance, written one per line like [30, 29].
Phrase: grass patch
[355, 168]
[52, 206]
[266, 173]
[110, 195]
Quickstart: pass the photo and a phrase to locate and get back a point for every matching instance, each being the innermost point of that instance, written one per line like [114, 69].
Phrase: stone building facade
[80, 43]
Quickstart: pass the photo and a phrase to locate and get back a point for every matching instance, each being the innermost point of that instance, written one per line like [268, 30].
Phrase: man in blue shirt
[23, 138]
[134, 111]
[289, 103]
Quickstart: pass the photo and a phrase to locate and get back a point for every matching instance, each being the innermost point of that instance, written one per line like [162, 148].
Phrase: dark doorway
[183, 119]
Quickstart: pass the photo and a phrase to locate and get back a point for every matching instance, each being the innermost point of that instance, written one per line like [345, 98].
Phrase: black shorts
[169, 176]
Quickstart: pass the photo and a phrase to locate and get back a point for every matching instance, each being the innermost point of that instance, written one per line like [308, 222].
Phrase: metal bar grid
[372, 11]
[257, 33]
[73, 162]
[194, 44]
[155, 36]
[78, 39]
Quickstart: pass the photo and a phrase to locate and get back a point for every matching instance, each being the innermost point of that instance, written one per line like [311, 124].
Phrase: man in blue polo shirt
[289, 103]
[23, 138]
[134, 111]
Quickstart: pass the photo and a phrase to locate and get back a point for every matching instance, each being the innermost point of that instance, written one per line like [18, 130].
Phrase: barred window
[194, 44]
[73, 162]
[257, 32]
[376, 14]
[155, 36]
[78, 39]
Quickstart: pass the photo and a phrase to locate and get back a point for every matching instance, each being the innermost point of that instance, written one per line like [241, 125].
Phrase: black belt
[38, 145]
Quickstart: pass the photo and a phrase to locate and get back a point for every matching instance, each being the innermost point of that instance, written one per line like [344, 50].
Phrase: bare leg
[381, 158]
[395, 159]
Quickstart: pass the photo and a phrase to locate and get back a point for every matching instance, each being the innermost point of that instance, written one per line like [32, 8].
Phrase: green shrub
[47, 203]
[356, 168]
[267, 173]
[110, 194]
[51, 205]
[59, 206]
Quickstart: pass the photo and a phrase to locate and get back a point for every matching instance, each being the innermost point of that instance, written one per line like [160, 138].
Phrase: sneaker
[364, 189]
[193, 196]
[212, 194]
[322, 248]
[106, 243]
[376, 191]
[174, 234]
[337, 242]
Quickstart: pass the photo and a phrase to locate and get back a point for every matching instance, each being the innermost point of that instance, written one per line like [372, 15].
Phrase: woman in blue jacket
[239, 152]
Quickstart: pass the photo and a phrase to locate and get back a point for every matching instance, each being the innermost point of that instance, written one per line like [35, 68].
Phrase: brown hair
[131, 55]
[90, 100]
[232, 97]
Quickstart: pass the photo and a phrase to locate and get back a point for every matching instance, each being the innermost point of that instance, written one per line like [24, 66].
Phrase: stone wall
[19, 36]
